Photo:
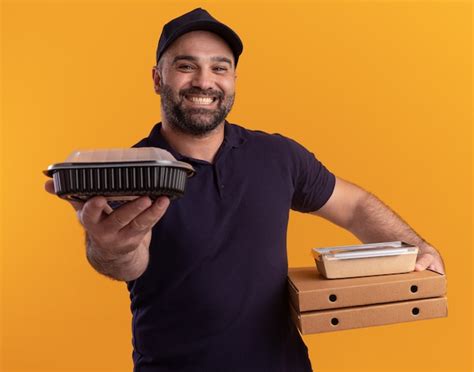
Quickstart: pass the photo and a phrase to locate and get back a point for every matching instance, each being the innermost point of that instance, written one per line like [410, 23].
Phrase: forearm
[370, 220]
[373, 221]
[123, 267]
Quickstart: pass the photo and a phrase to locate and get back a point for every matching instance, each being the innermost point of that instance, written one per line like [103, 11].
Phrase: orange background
[380, 91]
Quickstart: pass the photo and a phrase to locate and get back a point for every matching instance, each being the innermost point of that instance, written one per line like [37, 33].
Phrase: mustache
[206, 93]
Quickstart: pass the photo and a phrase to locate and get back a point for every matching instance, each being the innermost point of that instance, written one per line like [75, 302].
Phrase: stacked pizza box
[362, 286]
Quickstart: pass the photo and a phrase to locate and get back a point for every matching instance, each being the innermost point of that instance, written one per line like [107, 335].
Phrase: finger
[108, 209]
[77, 205]
[93, 212]
[49, 187]
[424, 261]
[123, 215]
[438, 267]
[147, 219]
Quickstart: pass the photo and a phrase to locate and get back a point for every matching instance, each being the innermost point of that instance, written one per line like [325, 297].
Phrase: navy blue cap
[197, 19]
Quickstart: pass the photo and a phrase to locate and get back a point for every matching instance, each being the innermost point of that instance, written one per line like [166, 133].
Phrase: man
[207, 273]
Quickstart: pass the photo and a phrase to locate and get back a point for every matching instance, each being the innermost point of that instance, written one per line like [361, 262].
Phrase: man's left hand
[429, 258]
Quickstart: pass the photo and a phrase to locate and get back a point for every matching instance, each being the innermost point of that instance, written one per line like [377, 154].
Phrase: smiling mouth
[200, 100]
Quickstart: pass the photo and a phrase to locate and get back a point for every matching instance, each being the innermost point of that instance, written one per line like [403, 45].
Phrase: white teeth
[201, 100]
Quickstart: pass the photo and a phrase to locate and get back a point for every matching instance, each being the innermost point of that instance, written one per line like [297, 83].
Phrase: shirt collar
[234, 136]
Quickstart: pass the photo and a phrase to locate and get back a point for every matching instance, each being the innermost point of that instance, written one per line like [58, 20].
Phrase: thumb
[423, 261]
[49, 187]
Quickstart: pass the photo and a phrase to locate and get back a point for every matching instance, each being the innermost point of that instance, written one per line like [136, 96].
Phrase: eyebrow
[195, 59]
[222, 59]
[188, 58]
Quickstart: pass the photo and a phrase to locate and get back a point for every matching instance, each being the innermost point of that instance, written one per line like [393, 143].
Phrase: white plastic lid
[365, 250]
[119, 155]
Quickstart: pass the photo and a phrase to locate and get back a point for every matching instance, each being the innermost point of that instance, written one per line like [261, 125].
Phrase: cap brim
[225, 32]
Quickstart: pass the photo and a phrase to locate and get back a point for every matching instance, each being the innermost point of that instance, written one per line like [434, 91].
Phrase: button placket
[219, 180]
[219, 165]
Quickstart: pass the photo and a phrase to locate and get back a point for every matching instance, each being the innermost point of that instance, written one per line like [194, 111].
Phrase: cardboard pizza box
[308, 290]
[368, 316]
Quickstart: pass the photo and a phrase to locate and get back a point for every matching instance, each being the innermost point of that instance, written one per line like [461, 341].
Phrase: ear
[156, 79]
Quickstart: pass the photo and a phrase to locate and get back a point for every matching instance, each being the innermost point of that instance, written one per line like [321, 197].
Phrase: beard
[194, 121]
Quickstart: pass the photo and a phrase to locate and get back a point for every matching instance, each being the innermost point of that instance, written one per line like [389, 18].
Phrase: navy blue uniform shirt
[213, 297]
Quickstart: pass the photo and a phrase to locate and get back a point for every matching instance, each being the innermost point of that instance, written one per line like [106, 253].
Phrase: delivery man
[207, 273]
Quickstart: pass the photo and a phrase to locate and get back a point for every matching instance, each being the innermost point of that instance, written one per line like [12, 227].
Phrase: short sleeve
[142, 143]
[313, 182]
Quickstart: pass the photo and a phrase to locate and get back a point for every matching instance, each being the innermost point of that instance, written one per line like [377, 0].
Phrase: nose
[203, 79]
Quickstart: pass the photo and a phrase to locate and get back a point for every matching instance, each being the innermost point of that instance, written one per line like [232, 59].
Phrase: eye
[185, 67]
[220, 69]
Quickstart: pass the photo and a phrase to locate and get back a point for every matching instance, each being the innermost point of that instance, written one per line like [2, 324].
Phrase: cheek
[177, 82]
[228, 87]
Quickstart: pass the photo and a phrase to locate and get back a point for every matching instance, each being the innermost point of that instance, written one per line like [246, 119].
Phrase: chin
[200, 120]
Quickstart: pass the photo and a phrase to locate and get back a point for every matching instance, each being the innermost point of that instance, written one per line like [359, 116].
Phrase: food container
[365, 260]
[120, 174]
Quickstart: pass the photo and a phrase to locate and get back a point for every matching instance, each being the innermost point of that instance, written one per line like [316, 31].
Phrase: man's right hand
[118, 240]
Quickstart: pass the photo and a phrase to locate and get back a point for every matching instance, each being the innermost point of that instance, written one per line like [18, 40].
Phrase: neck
[202, 148]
